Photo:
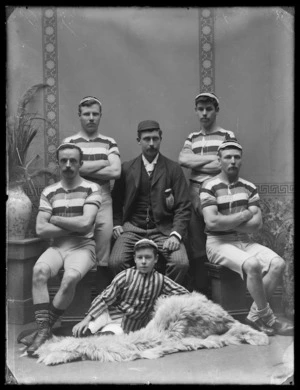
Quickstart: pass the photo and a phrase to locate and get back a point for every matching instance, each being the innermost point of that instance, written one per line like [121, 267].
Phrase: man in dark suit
[150, 200]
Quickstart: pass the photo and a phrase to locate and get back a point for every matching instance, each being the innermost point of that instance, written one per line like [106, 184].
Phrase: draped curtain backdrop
[149, 63]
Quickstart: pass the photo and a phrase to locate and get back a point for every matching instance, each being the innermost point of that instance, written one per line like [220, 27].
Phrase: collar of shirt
[147, 274]
[83, 135]
[150, 166]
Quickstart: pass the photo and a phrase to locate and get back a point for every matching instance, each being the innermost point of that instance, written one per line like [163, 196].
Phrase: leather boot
[26, 337]
[42, 318]
[42, 335]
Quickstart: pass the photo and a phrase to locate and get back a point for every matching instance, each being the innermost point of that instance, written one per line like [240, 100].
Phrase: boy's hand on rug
[81, 327]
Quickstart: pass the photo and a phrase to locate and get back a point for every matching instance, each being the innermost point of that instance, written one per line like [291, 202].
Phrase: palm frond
[30, 138]
[21, 129]
[27, 97]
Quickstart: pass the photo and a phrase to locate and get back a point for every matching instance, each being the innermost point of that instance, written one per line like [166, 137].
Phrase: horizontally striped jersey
[95, 149]
[205, 144]
[69, 203]
[229, 198]
[132, 295]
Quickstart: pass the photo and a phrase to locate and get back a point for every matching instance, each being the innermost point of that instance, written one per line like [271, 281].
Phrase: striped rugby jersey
[69, 203]
[95, 149]
[229, 199]
[205, 144]
[132, 295]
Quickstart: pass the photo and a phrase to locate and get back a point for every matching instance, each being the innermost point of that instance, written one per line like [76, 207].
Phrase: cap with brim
[230, 143]
[88, 98]
[206, 94]
[72, 145]
[148, 125]
[145, 241]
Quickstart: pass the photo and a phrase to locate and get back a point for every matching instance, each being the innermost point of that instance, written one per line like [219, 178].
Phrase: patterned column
[50, 76]
[206, 49]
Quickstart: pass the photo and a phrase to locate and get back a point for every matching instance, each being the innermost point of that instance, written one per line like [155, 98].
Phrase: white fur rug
[180, 323]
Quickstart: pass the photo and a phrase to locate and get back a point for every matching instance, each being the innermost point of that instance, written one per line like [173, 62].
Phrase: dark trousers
[121, 256]
[197, 243]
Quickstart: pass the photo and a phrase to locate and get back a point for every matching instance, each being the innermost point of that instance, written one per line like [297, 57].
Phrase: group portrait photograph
[149, 195]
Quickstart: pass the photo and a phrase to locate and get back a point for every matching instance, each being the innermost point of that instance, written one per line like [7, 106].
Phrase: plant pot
[18, 211]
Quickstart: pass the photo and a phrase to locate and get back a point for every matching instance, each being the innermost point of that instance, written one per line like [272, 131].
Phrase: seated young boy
[126, 304]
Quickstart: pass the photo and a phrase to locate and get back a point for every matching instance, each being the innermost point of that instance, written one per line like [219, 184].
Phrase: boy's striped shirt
[229, 199]
[69, 203]
[132, 296]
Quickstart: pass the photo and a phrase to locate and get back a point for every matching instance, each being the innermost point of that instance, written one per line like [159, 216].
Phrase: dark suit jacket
[167, 174]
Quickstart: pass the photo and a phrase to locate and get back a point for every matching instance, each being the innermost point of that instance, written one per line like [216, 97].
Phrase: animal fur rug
[180, 323]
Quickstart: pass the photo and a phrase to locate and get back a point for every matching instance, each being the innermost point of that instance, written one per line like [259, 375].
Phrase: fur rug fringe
[180, 323]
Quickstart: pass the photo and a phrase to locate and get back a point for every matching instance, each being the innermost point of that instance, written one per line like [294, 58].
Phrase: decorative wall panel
[206, 49]
[50, 75]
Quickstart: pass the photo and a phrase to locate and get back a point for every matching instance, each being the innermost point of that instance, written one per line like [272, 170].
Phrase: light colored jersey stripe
[205, 144]
[229, 199]
[97, 149]
[70, 203]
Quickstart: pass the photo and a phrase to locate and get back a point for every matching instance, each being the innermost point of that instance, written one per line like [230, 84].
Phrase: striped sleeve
[254, 197]
[188, 143]
[113, 147]
[207, 196]
[95, 196]
[45, 205]
[172, 288]
[108, 296]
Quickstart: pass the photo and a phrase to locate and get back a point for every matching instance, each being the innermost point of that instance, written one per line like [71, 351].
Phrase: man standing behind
[231, 209]
[150, 200]
[101, 163]
[199, 153]
[67, 213]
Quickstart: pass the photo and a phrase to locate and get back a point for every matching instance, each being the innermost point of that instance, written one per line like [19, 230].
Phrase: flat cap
[148, 125]
[207, 94]
[90, 98]
[145, 241]
[230, 142]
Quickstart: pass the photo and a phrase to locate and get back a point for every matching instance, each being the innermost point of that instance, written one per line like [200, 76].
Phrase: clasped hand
[171, 244]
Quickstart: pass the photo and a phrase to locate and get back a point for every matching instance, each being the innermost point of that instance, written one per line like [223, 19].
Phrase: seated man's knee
[70, 280]
[119, 258]
[179, 259]
[252, 267]
[277, 265]
[41, 273]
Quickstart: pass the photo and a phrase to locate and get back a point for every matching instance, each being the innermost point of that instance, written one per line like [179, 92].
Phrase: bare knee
[277, 265]
[252, 267]
[69, 281]
[41, 274]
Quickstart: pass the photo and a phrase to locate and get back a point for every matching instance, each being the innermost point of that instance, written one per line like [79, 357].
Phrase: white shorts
[232, 250]
[105, 323]
[76, 253]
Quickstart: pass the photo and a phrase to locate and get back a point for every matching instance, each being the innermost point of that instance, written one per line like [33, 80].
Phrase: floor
[242, 364]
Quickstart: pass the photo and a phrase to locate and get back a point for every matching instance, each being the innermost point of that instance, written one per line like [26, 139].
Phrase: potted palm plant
[21, 129]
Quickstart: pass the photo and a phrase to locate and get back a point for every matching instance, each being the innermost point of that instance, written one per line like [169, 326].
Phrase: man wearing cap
[101, 163]
[150, 200]
[231, 209]
[126, 304]
[67, 214]
[199, 154]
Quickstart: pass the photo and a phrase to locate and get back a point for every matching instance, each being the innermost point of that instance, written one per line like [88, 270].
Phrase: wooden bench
[230, 291]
